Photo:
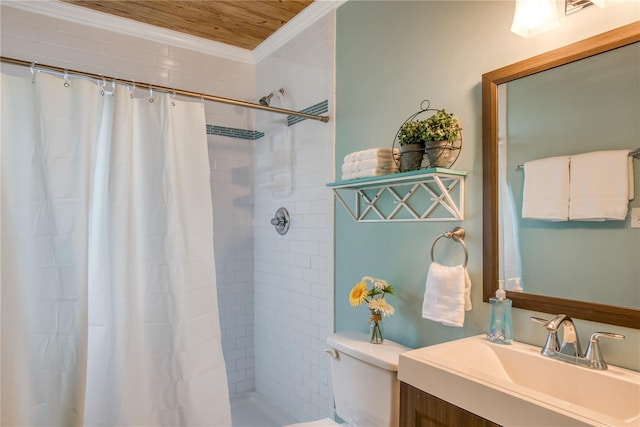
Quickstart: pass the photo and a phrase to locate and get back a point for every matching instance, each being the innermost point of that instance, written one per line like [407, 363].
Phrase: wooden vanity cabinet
[420, 409]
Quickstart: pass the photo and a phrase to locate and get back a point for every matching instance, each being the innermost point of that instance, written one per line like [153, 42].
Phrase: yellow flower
[358, 294]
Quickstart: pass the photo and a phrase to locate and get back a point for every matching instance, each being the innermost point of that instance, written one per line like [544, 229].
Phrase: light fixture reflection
[533, 17]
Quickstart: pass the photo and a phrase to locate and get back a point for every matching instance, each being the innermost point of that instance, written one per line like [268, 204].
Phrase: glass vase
[375, 328]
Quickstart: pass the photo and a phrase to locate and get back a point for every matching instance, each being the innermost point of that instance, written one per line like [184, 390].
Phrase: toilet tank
[365, 379]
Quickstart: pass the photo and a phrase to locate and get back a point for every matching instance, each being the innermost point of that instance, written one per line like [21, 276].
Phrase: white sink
[514, 385]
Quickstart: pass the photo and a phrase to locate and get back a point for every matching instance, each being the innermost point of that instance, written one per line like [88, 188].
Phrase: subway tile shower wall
[294, 272]
[232, 192]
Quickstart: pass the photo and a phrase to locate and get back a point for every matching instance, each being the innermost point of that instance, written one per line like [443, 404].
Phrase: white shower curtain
[109, 313]
[510, 264]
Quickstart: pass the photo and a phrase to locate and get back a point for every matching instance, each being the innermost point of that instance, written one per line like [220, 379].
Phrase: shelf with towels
[435, 194]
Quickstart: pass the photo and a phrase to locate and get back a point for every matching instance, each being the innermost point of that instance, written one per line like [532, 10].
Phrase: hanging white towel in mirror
[600, 185]
[546, 189]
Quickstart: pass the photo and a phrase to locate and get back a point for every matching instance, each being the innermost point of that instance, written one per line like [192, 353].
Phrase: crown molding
[93, 18]
[301, 21]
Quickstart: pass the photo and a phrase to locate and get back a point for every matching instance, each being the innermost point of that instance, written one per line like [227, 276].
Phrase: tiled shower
[275, 292]
[293, 274]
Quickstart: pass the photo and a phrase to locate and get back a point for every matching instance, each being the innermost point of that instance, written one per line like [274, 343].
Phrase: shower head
[266, 100]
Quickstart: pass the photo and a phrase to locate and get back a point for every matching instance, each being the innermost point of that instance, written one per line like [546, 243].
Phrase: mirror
[493, 95]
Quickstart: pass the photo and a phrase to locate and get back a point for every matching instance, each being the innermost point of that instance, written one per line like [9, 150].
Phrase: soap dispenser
[500, 325]
[517, 287]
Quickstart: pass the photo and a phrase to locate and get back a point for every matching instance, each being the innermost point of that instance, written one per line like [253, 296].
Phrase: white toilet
[365, 381]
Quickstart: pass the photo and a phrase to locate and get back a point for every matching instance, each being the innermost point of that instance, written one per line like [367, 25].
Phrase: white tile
[308, 308]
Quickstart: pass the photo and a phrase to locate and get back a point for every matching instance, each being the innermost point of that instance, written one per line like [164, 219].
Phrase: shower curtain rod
[99, 77]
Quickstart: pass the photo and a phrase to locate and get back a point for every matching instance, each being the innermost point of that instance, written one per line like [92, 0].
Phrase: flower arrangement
[374, 296]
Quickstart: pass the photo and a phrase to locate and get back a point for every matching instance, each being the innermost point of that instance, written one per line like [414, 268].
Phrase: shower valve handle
[281, 221]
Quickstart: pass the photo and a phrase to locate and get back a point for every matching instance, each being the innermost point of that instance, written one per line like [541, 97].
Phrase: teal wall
[390, 55]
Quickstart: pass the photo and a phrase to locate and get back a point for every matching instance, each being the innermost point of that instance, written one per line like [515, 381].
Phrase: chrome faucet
[569, 350]
[570, 342]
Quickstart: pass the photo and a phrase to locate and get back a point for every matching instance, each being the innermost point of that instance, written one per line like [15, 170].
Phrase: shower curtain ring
[33, 73]
[103, 84]
[132, 89]
[151, 94]
[173, 98]
[66, 78]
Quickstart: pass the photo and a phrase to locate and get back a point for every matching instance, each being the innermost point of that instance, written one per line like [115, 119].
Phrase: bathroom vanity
[418, 408]
[474, 382]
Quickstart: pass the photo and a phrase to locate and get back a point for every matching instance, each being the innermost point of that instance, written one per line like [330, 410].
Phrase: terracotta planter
[438, 153]
[411, 157]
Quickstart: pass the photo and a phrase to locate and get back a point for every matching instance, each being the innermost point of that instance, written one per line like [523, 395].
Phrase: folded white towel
[372, 153]
[631, 179]
[351, 167]
[546, 189]
[599, 186]
[366, 173]
[447, 294]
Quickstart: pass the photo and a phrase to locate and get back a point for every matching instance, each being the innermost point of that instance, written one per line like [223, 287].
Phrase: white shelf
[435, 194]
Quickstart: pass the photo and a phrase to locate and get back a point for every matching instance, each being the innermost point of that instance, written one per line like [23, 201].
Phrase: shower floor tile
[253, 410]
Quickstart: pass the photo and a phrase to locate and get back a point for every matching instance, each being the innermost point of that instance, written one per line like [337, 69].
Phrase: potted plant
[441, 130]
[412, 137]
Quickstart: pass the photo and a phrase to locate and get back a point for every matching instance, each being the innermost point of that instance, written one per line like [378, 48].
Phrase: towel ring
[456, 234]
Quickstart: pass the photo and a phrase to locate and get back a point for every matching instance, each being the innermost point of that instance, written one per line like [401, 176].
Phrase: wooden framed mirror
[588, 310]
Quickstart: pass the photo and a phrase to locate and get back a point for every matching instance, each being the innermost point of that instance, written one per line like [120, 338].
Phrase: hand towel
[546, 189]
[372, 153]
[447, 294]
[599, 188]
[350, 167]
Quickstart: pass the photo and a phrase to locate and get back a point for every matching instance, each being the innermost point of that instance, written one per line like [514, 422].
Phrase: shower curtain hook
[132, 89]
[66, 78]
[151, 94]
[33, 73]
[173, 98]
[102, 85]
[202, 99]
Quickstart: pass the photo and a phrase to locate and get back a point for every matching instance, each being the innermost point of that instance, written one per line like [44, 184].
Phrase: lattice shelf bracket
[435, 194]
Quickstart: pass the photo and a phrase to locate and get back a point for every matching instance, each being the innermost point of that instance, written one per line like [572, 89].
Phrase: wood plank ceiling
[241, 23]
